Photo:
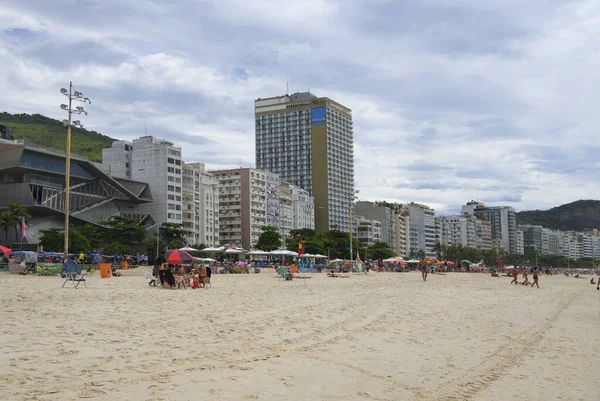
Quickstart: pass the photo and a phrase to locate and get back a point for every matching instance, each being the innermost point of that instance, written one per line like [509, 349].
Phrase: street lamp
[72, 95]
[354, 197]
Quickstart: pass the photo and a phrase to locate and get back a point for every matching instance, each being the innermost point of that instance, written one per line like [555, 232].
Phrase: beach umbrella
[413, 261]
[402, 262]
[189, 249]
[450, 263]
[175, 256]
[468, 262]
[6, 251]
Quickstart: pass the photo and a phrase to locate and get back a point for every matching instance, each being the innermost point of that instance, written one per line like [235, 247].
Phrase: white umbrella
[258, 253]
[308, 255]
[412, 261]
[212, 249]
[188, 249]
[283, 252]
[320, 256]
[235, 250]
[207, 260]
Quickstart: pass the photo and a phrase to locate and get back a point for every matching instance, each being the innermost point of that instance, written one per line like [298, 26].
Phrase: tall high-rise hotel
[309, 142]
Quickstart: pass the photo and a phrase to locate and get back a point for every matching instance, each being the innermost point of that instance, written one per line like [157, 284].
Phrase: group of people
[178, 276]
[534, 271]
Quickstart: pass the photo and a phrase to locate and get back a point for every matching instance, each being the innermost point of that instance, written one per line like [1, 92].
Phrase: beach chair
[281, 271]
[73, 275]
[154, 281]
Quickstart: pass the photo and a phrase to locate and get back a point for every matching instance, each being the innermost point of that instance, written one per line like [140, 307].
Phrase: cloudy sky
[452, 100]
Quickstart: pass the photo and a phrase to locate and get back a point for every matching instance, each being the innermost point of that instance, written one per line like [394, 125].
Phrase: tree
[6, 222]
[53, 240]
[380, 250]
[173, 235]
[128, 232]
[269, 240]
[17, 212]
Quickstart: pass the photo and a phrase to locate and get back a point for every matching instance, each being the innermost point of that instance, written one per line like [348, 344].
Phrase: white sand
[383, 336]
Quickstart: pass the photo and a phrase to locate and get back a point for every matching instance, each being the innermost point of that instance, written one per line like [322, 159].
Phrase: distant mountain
[44, 131]
[576, 216]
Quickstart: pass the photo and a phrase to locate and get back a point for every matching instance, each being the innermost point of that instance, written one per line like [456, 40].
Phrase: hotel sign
[318, 116]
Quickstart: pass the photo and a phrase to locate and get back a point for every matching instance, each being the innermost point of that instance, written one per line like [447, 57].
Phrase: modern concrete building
[366, 231]
[458, 230]
[532, 239]
[34, 176]
[402, 234]
[483, 229]
[383, 214]
[422, 221]
[504, 224]
[200, 205]
[286, 212]
[156, 162]
[520, 242]
[242, 205]
[309, 142]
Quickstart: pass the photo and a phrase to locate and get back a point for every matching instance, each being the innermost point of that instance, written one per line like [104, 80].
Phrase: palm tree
[17, 212]
[6, 222]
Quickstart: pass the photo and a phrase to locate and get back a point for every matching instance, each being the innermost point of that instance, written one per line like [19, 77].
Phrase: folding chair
[281, 272]
[73, 275]
[154, 281]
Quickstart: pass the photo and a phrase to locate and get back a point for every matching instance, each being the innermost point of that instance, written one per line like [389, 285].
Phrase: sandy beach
[381, 336]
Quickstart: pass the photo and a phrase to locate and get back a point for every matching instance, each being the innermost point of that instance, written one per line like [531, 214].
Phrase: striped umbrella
[6, 251]
[176, 256]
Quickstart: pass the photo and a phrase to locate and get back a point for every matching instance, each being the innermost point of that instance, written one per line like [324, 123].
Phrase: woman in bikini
[535, 277]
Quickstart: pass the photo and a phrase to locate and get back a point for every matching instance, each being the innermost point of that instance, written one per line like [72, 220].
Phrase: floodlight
[65, 122]
[64, 107]
[87, 99]
[63, 91]
[76, 94]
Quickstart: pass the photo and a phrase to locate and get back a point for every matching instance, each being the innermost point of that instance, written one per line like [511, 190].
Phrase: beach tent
[188, 249]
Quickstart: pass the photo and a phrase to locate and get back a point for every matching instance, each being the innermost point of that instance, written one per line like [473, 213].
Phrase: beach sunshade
[175, 256]
[209, 249]
[235, 251]
[5, 250]
[450, 263]
[412, 261]
[258, 253]
[188, 249]
[402, 262]
[466, 261]
[318, 255]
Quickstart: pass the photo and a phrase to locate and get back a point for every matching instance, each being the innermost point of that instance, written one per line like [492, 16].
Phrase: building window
[170, 161]
[177, 189]
[178, 198]
[171, 197]
[170, 178]
[170, 169]
[171, 188]
[171, 206]
[177, 171]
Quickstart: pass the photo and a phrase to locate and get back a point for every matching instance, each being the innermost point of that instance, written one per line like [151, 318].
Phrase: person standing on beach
[535, 277]
[515, 274]
[424, 268]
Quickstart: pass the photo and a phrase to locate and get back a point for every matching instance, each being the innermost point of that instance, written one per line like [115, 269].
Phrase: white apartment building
[286, 211]
[402, 234]
[242, 205]
[383, 214]
[309, 142]
[458, 230]
[118, 158]
[200, 205]
[297, 209]
[273, 208]
[504, 224]
[422, 223]
[303, 208]
[520, 242]
[366, 231]
[156, 162]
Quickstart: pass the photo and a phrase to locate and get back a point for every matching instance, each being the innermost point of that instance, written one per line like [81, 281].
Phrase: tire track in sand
[495, 365]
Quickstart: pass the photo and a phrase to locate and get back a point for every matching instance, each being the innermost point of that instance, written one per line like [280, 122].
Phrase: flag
[300, 247]
[358, 256]
[23, 228]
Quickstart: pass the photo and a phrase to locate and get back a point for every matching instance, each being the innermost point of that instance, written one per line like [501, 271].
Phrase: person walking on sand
[424, 268]
[535, 277]
[525, 277]
[515, 274]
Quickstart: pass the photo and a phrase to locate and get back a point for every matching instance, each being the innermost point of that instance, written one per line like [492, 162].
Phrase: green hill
[51, 133]
[576, 216]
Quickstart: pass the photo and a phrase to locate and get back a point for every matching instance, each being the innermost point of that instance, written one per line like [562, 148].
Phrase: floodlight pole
[68, 175]
[72, 94]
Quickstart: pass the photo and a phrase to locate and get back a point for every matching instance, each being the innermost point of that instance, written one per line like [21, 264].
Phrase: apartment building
[156, 162]
[422, 228]
[200, 205]
[366, 231]
[242, 205]
[309, 142]
[504, 224]
[402, 234]
[383, 214]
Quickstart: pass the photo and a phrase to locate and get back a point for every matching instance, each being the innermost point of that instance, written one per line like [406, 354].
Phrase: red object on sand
[175, 256]
[5, 250]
